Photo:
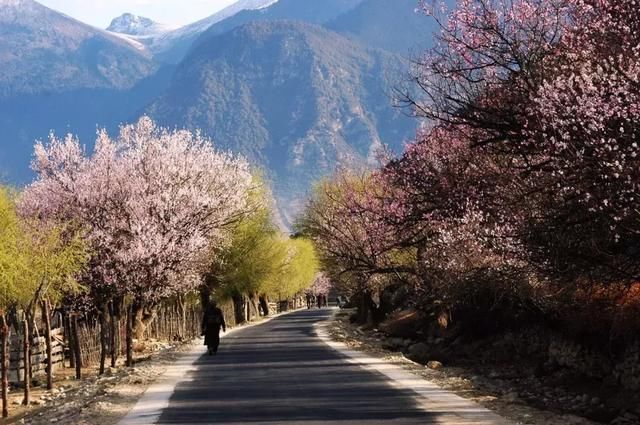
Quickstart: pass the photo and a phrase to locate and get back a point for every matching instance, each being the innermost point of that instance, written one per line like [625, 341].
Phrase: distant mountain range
[297, 86]
[43, 51]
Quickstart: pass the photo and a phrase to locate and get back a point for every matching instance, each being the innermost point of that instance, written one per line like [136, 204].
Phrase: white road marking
[452, 409]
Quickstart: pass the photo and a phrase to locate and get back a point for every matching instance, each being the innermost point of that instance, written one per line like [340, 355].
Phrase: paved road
[281, 372]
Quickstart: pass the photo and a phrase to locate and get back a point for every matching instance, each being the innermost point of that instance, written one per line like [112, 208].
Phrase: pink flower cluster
[525, 173]
[151, 202]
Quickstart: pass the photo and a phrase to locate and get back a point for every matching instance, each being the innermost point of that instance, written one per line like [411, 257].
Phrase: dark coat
[212, 321]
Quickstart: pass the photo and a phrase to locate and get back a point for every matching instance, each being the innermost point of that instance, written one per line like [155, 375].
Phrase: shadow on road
[281, 372]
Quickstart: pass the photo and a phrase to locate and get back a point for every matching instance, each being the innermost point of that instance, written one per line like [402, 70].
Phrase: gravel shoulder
[491, 393]
[97, 400]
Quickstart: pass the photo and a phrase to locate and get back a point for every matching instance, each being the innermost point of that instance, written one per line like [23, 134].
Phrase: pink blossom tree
[321, 285]
[151, 202]
[548, 89]
[583, 119]
[359, 250]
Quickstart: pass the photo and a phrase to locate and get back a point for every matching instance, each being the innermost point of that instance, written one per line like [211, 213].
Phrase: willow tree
[253, 258]
[260, 262]
[54, 259]
[299, 270]
[12, 267]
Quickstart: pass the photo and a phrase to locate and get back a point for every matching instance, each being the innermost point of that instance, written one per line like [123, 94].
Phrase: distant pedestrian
[309, 301]
[212, 321]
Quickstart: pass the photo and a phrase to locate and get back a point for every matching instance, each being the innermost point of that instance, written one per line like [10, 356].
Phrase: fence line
[170, 323]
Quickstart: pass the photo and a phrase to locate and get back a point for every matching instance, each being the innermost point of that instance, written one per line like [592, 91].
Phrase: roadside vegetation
[516, 206]
[152, 221]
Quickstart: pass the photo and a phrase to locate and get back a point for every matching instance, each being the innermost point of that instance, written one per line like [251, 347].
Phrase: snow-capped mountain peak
[136, 25]
[162, 43]
[239, 6]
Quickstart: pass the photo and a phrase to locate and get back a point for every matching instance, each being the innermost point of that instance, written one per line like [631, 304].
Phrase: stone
[419, 352]
[435, 365]
[626, 418]
[398, 342]
[393, 344]
[110, 371]
[510, 397]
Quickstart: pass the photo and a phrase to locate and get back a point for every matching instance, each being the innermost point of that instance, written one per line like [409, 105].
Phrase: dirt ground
[100, 400]
[96, 400]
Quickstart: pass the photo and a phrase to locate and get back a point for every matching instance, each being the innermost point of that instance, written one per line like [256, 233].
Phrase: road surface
[282, 372]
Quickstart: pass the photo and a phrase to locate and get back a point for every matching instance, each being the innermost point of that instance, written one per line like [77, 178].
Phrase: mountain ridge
[43, 50]
[283, 85]
[170, 46]
[371, 22]
[295, 98]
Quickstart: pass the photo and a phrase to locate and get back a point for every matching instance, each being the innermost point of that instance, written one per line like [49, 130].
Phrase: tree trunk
[142, 317]
[264, 304]
[76, 345]
[205, 296]
[363, 308]
[104, 325]
[46, 318]
[114, 314]
[26, 352]
[182, 314]
[115, 340]
[367, 309]
[4, 367]
[129, 338]
[239, 308]
[68, 336]
[254, 306]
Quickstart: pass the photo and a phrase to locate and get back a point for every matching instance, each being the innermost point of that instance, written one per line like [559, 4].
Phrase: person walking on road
[212, 321]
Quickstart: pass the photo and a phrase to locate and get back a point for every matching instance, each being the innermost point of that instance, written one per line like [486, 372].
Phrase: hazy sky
[101, 12]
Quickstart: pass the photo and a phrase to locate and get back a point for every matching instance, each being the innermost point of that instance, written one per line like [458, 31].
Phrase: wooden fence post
[26, 361]
[46, 316]
[76, 345]
[4, 335]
